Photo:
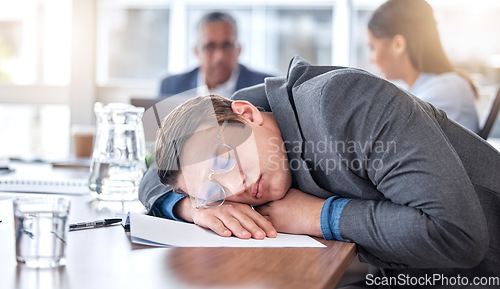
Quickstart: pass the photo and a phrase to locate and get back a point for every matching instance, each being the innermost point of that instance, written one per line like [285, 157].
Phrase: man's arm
[229, 219]
[158, 199]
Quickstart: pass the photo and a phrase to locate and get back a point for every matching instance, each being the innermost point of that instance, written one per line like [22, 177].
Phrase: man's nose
[219, 54]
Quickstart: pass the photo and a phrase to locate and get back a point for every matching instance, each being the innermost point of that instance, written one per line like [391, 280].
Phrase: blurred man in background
[217, 49]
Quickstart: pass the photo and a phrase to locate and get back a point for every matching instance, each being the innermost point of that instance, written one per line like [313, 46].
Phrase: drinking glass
[41, 230]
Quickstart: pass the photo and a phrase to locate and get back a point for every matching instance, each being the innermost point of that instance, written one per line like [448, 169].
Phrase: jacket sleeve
[429, 215]
[158, 199]
[163, 87]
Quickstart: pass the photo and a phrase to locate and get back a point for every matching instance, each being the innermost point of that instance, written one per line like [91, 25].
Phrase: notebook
[42, 178]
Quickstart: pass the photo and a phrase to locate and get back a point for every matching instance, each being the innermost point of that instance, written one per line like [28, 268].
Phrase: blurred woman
[405, 44]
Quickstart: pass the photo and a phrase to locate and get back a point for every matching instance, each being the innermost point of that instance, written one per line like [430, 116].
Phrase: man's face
[218, 52]
[260, 174]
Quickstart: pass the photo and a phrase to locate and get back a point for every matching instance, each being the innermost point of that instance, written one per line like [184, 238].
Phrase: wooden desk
[105, 258]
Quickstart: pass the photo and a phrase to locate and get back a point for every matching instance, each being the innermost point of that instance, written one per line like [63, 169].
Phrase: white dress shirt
[225, 89]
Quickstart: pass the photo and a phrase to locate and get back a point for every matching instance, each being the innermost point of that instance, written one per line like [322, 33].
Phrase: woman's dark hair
[414, 20]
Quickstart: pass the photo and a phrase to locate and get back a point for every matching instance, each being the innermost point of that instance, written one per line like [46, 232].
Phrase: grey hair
[217, 16]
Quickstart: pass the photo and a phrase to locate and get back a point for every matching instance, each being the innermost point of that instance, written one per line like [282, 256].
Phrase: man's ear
[399, 44]
[247, 111]
[196, 51]
[238, 49]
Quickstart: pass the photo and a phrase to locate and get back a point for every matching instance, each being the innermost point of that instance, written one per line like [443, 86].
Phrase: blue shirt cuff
[168, 204]
[330, 217]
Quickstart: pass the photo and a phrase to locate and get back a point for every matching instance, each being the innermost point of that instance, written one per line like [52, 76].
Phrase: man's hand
[229, 219]
[295, 213]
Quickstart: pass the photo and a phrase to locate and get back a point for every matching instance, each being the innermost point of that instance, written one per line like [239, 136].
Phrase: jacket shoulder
[180, 82]
[249, 77]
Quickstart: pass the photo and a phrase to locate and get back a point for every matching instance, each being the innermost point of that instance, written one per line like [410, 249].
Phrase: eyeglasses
[224, 47]
[222, 159]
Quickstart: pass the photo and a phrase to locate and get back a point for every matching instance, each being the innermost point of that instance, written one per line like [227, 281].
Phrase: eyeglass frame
[225, 47]
[212, 172]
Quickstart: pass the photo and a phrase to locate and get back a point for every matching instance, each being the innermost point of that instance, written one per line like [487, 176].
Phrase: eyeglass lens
[225, 47]
[222, 159]
[211, 194]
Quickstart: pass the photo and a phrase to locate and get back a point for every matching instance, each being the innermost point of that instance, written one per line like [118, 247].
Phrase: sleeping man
[336, 153]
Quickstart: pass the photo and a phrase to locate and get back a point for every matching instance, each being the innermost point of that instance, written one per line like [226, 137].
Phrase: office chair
[490, 121]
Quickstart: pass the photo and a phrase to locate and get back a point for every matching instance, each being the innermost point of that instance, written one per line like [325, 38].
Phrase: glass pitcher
[118, 158]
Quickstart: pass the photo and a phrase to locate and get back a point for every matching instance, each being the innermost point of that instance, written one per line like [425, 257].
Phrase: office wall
[73, 53]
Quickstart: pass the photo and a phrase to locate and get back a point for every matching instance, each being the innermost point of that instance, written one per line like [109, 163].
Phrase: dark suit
[424, 192]
[178, 83]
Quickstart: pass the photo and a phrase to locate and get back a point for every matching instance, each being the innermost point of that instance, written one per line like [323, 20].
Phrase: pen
[94, 224]
[4, 171]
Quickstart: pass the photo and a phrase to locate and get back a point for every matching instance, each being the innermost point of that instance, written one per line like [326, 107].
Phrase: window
[35, 41]
[359, 40]
[144, 41]
[300, 31]
[10, 52]
[132, 42]
[468, 37]
[35, 131]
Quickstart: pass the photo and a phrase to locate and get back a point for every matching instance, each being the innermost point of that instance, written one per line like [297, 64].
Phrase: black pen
[94, 224]
[4, 170]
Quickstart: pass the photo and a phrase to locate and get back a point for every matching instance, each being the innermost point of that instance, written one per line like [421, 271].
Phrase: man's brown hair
[180, 124]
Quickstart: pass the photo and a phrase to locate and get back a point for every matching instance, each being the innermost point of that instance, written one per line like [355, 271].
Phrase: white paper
[154, 231]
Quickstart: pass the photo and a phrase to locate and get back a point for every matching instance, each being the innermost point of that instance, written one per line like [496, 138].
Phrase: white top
[225, 89]
[450, 92]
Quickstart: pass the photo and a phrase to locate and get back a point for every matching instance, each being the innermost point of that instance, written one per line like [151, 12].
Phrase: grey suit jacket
[424, 191]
